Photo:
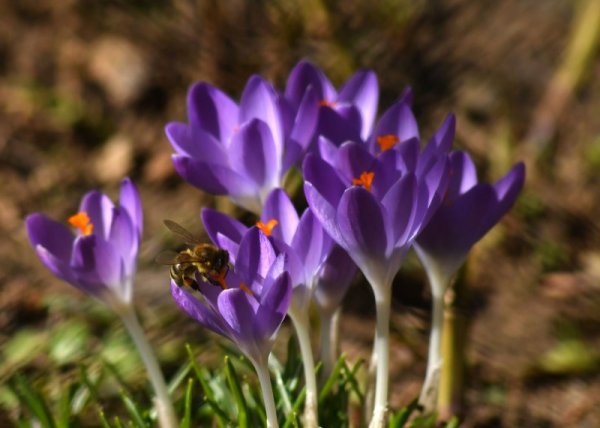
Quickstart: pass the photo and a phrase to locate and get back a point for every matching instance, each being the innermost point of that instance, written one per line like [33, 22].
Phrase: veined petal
[131, 202]
[216, 223]
[439, 145]
[54, 237]
[97, 262]
[255, 256]
[253, 155]
[462, 174]
[278, 206]
[400, 203]
[124, 238]
[212, 178]
[274, 303]
[323, 178]
[238, 311]
[303, 76]
[306, 119]
[362, 90]
[211, 110]
[196, 143]
[197, 310]
[99, 208]
[311, 243]
[362, 224]
[259, 101]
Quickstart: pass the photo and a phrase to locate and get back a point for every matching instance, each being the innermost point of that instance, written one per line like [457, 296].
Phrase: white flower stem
[262, 369]
[329, 341]
[429, 394]
[164, 407]
[381, 348]
[301, 324]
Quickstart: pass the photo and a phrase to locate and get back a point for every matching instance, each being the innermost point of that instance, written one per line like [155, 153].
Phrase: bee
[207, 260]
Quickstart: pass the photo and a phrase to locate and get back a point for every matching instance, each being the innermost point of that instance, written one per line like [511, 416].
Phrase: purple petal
[125, 239]
[216, 223]
[303, 76]
[131, 202]
[362, 224]
[259, 101]
[274, 303]
[238, 311]
[55, 237]
[195, 143]
[463, 174]
[362, 90]
[339, 126]
[97, 262]
[212, 111]
[310, 243]
[335, 278]
[57, 266]
[353, 159]
[252, 153]
[278, 206]
[323, 178]
[255, 256]
[439, 145]
[398, 121]
[507, 190]
[212, 178]
[99, 208]
[400, 205]
[306, 119]
[197, 310]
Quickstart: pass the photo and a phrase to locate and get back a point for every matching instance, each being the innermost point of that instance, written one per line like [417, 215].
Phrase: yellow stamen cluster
[82, 222]
[388, 141]
[365, 180]
[267, 228]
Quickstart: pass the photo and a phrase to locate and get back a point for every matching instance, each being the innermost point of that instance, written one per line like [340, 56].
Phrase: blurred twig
[583, 41]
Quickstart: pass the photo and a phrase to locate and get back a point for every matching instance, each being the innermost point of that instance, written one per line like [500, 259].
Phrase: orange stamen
[327, 103]
[267, 228]
[245, 289]
[365, 180]
[388, 141]
[82, 222]
[220, 278]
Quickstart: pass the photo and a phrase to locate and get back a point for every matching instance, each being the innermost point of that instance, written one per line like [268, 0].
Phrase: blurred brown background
[87, 87]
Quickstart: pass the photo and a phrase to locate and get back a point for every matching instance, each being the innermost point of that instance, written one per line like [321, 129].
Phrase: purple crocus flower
[347, 115]
[99, 258]
[374, 207]
[242, 150]
[251, 309]
[470, 209]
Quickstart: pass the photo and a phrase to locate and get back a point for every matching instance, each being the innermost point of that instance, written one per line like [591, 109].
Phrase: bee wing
[181, 231]
[167, 258]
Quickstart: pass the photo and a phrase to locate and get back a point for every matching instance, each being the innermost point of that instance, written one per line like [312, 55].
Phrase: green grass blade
[34, 401]
[236, 390]
[186, 421]
[133, 410]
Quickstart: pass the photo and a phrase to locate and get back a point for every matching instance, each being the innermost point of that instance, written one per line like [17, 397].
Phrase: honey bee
[207, 260]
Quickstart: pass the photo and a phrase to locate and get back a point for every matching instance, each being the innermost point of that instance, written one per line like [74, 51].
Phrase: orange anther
[245, 289]
[327, 103]
[388, 141]
[365, 180]
[82, 222]
[267, 227]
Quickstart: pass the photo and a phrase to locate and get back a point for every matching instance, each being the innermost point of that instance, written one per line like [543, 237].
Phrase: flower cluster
[373, 192]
